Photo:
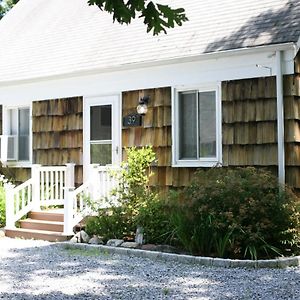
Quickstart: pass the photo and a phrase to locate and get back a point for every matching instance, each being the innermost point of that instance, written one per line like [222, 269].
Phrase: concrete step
[47, 215]
[42, 225]
[50, 236]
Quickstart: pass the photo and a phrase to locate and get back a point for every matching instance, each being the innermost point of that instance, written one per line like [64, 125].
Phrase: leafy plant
[2, 203]
[132, 194]
[237, 213]
[154, 218]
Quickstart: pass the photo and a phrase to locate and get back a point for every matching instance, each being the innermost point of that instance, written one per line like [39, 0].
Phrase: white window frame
[6, 131]
[205, 161]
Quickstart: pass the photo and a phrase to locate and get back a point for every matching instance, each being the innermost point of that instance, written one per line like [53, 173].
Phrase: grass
[166, 291]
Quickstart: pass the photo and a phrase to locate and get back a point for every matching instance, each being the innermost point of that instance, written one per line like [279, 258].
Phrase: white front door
[102, 131]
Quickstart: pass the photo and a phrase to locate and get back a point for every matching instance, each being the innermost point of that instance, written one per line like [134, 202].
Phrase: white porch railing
[103, 181]
[45, 188]
[50, 182]
[19, 201]
[76, 206]
[51, 186]
[97, 190]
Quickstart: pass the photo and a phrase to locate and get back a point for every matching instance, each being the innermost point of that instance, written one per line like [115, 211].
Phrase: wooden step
[50, 236]
[42, 225]
[47, 215]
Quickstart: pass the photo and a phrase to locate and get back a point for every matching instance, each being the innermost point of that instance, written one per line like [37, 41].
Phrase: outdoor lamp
[142, 108]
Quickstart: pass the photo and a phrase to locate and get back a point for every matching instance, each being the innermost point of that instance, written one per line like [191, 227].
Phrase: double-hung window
[15, 141]
[197, 128]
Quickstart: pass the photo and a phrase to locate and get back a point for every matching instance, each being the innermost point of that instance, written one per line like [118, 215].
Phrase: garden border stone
[190, 259]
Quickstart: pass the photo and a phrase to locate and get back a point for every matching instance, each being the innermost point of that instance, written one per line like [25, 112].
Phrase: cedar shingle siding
[155, 131]
[250, 124]
[57, 133]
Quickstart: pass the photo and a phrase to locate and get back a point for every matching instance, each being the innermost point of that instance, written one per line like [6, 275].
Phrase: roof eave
[139, 65]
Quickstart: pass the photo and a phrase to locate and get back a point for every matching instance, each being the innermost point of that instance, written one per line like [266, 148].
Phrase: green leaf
[157, 17]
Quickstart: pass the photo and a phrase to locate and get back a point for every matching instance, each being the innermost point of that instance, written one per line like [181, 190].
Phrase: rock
[95, 240]
[149, 247]
[166, 248]
[84, 237]
[132, 245]
[139, 236]
[76, 238]
[160, 248]
[114, 242]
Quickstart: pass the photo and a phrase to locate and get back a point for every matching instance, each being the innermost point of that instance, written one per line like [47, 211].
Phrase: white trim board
[178, 74]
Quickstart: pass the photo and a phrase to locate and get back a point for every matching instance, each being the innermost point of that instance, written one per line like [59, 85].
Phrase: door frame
[115, 101]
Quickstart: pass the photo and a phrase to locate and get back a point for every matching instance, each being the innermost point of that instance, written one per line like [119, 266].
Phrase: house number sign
[132, 120]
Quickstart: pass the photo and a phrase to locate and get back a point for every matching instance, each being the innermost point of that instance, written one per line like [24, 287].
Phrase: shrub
[132, 194]
[2, 204]
[110, 224]
[236, 213]
[154, 218]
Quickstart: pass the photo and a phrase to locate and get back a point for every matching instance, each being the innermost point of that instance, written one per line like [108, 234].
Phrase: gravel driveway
[41, 270]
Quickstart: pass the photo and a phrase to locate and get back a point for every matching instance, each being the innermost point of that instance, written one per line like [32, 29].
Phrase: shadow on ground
[50, 272]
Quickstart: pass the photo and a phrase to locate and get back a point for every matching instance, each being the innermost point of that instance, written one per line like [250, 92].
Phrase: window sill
[195, 164]
[17, 164]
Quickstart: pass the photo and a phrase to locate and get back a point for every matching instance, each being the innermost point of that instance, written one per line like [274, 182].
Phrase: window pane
[100, 123]
[187, 125]
[13, 121]
[101, 154]
[23, 137]
[207, 124]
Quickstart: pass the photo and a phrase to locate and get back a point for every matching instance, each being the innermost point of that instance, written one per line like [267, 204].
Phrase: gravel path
[41, 270]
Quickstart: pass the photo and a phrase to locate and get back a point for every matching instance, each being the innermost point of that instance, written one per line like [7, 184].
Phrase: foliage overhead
[157, 17]
[5, 6]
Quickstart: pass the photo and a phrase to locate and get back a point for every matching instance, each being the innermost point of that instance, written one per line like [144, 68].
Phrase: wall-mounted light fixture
[142, 108]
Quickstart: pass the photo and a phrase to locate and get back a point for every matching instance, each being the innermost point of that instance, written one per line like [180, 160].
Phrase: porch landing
[49, 187]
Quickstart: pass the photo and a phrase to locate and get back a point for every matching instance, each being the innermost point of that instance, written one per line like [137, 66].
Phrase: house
[223, 89]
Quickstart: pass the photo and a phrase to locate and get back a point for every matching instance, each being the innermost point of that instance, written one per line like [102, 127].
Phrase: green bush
[110, 223]
[236, 213]
[154, 218]
[2, 204]
[132, 194]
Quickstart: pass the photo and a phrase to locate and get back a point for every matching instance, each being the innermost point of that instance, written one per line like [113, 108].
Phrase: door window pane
[207, 124]
[101, 134]
[100, 125]
[101, 154]
[188, 125]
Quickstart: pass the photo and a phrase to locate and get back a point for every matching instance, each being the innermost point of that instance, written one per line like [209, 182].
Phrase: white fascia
[170, 61]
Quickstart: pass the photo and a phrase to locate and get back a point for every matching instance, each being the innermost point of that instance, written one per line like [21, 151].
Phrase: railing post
[9, 205]
[36, 186]
[94, 181]
[3, 154]
[70, 175]
[68, 211]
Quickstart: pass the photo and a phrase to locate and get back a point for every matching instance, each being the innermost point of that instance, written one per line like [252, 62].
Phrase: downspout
[280, 118]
